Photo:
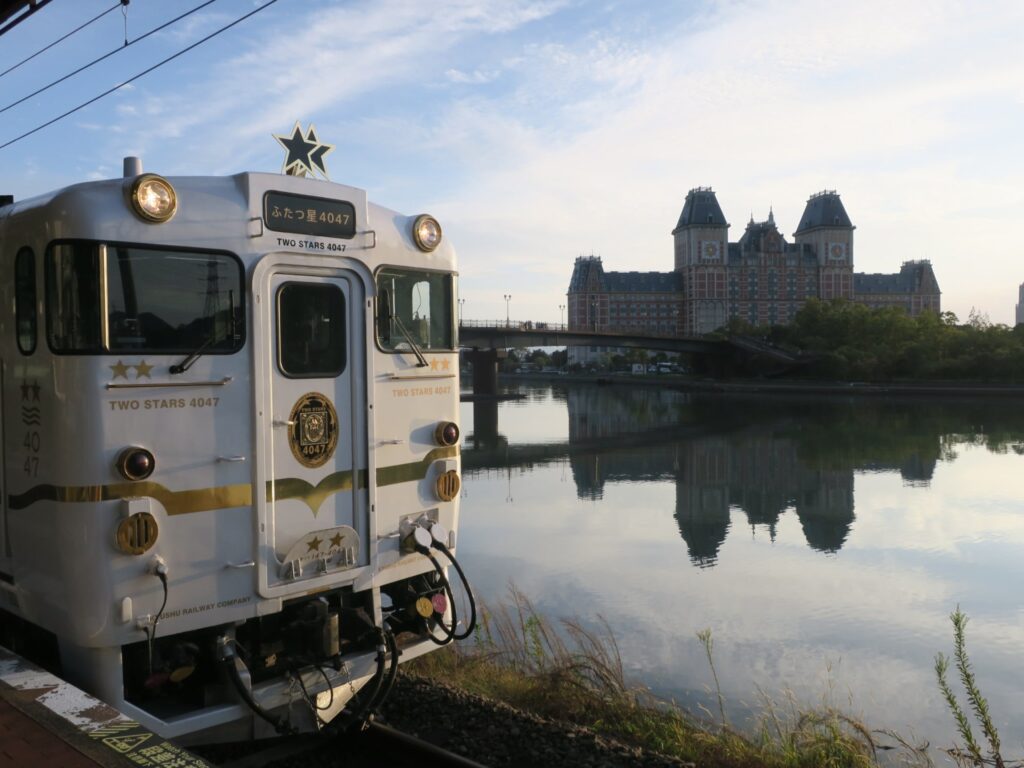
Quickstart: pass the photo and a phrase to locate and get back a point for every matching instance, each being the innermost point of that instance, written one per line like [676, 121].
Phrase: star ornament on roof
[305, 153]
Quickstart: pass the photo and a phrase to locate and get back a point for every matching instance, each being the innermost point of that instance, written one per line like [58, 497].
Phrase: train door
[313, 519]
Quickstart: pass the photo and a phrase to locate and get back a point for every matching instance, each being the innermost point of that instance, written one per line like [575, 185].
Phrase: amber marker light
[134, 463]
[424, 607]
[153, 198]
[446, 433]
[426, 232]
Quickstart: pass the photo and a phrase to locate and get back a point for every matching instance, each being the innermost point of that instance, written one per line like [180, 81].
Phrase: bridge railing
[515, 325]
[534, 325]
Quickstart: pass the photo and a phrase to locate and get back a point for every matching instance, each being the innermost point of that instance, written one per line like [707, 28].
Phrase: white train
[230, 447]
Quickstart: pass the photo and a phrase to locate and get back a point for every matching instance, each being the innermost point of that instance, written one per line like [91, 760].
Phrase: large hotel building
[762, 278]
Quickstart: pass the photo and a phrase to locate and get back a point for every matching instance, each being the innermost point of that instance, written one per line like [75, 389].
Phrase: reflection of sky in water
[864, 591]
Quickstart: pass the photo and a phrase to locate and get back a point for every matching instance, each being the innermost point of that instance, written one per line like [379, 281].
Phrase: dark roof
[643, 282]
[824, 209]
[588, 271]
[582, 270]
[913, 277]
[701, 209]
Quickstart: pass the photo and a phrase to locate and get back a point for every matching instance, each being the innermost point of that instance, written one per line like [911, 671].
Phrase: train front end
[232, 497]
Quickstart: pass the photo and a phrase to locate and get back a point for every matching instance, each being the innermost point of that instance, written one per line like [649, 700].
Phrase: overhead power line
[65, 37]
[144, 72]
[25, 7]
[84, 67]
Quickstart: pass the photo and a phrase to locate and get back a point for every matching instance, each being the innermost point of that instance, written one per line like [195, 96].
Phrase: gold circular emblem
[313, 432]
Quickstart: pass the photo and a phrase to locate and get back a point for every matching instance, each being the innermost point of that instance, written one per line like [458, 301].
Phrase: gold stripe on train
[229, 496]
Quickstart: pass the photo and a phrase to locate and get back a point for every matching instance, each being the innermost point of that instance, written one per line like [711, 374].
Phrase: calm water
[824, 541]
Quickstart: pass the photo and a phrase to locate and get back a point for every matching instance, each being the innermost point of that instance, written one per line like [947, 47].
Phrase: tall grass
[571, 673]
[970, 754]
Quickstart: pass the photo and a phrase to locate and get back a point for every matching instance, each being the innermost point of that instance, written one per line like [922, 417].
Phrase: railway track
[375, 746]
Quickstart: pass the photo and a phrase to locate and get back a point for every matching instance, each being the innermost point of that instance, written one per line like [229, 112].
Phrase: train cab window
[25, 300]
[311, 339]
[113, 298]
[414, 310]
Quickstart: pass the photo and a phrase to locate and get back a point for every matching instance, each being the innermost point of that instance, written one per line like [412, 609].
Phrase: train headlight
[135, 463]
[446, 433]
[426, 232]
[153, 198]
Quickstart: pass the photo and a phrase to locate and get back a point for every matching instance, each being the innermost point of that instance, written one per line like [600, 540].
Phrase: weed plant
[970, 754]
[575, 674]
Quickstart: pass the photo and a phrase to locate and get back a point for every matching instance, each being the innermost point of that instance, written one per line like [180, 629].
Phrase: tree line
[849, 341]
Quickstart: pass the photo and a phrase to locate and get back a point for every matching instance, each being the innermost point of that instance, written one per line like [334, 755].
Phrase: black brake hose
[449, 632]
[469, 591]
[280, 725]
[347, 719]
[385, 691]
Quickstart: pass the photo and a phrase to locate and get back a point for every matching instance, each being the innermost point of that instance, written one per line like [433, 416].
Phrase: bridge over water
[486, 334]
[484, 339]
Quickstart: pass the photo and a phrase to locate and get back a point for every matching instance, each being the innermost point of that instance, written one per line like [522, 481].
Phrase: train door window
[414, 309]
[25, 300]
[311, 339]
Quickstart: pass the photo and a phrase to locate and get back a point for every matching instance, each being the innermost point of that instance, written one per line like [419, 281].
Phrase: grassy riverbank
[571, 674]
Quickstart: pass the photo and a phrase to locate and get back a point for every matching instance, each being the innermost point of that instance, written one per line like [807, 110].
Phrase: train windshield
[113, 298]
[414, 310]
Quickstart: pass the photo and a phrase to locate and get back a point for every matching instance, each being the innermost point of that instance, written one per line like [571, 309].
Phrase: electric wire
[107, 55]
[151, 630]
[140, 74]
[65, 37]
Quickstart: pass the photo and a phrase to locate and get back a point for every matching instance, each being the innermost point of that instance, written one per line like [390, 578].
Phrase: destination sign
[305, 215]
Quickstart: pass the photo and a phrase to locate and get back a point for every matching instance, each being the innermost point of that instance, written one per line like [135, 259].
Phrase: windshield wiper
[185, 364]
[422, 361]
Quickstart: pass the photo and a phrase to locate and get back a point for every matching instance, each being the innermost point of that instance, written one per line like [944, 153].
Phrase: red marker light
[440, 603]
[135, 463]
[446, 433]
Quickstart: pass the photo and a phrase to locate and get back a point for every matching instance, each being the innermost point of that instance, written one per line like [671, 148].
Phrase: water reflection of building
[752, 469]
[761, 475]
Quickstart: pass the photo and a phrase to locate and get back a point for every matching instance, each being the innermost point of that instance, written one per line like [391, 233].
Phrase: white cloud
[476, 77]
[768, 104]
[583, 125]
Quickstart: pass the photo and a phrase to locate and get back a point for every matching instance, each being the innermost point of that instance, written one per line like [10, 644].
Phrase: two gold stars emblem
[443, 364]
[121, 369]
[314, 543]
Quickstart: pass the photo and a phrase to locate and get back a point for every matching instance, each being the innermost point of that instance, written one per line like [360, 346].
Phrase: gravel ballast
[498, 735]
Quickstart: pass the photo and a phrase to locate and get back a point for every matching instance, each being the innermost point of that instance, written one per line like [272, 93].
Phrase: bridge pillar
[485, 370]
[485, 423]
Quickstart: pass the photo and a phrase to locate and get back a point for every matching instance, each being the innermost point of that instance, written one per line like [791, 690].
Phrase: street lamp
[508, 298]
[462, 303]
[561, 314]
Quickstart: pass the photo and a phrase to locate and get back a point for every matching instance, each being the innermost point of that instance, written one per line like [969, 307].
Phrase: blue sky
[540, 130]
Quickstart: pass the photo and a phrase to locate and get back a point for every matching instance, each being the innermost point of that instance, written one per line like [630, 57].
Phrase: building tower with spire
[826, 228]
[701, 240]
